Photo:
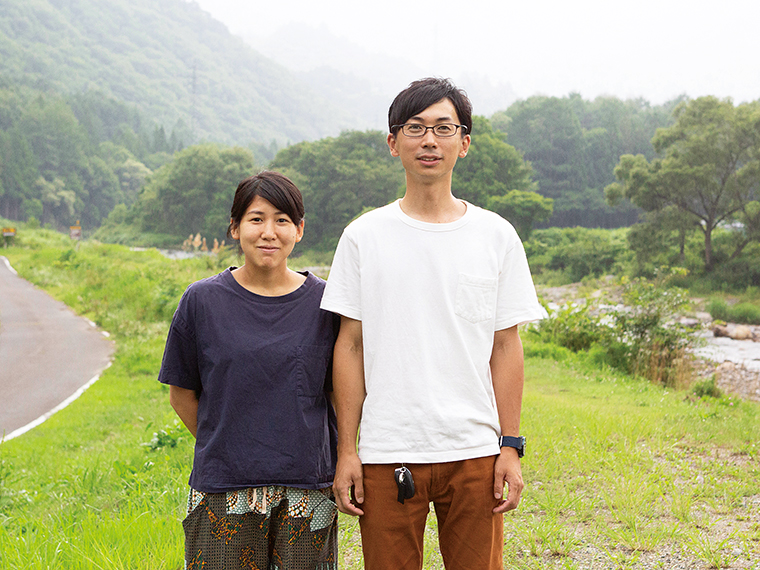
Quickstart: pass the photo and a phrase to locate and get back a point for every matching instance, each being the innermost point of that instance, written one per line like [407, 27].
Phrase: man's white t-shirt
[430, 297]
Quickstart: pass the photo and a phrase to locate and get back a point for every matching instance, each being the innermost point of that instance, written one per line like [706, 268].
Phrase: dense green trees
[573, 146]
[495, 176]
[339, 178]
[68, 159]
[193, 193]
[708, 175]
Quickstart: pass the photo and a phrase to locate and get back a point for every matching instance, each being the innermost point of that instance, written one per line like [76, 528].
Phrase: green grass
[618, 471]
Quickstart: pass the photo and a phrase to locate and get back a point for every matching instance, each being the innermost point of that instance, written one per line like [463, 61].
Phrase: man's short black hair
[423, 93]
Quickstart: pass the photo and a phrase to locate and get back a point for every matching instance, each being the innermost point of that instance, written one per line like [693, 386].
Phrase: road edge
[81, 390]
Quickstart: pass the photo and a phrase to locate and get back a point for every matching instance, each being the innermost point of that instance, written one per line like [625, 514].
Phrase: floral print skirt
[261, 528]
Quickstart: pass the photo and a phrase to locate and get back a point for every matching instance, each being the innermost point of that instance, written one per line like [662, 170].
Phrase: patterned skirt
[261, 528]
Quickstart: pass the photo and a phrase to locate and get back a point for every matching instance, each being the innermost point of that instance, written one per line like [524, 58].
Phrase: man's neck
[432, 203]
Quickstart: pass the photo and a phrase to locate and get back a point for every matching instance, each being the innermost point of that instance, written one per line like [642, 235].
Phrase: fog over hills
[361, 81]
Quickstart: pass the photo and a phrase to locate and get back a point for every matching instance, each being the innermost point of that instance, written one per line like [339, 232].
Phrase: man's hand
[507, 469]
[349, 475]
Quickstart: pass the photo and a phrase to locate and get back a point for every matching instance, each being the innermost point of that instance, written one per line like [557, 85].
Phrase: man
[428, 360]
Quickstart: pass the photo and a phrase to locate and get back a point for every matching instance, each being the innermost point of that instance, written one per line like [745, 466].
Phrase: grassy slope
[618, 471]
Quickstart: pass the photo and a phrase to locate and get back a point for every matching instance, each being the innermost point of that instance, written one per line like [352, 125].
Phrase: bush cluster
[568, 255]
[640, 337]
[745, 313]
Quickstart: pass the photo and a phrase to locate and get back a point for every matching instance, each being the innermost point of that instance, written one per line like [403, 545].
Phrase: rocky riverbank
[728, 351]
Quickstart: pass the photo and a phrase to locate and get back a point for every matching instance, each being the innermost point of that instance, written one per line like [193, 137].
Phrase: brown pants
[469, 534]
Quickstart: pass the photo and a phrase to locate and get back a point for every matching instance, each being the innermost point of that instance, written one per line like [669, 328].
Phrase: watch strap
[517, 442]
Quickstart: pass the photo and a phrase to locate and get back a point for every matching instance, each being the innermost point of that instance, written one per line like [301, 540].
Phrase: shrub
[718, 309]
[548, 351]
[572, 326]
[707, 388]
[746, 313]
[567, 255]
[651, 343]
[642, 338]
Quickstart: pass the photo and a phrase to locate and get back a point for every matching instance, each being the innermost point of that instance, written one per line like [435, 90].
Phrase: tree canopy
[193, 193]
[340, 177]
[573, 145]
[343, 176]
[64, 159]
[495, 176]
[708, 173]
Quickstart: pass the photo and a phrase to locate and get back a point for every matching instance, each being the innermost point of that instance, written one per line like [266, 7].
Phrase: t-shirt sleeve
[343, 291]
[517, 301]
[179, 366]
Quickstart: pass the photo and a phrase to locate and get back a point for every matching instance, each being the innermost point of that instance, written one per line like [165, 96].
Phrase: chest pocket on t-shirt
[476, 297]
[312, 368]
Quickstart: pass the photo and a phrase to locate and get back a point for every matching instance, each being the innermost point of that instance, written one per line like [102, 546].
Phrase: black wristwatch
[517, 442]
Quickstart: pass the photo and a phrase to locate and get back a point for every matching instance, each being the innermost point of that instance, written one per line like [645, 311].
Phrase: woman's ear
[299, 230]
[234, 229]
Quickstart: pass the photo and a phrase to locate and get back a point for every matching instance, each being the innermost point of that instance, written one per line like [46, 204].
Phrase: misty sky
[656, 49]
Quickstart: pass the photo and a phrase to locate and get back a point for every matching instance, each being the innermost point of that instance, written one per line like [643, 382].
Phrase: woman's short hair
[423, 93]
[275, 188]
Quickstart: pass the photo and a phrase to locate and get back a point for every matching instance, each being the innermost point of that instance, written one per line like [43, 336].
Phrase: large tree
[339, 178]
[194, 192]
[491, 168]
[708, 170]
[548, 131]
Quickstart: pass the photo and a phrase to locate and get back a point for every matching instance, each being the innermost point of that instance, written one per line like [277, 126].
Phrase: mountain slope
[170, 59]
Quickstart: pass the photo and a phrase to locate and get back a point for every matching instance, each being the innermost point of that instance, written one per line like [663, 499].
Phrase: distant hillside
[170, 59]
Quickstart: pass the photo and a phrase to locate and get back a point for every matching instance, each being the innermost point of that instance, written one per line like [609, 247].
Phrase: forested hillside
[574, 144]
[64, 159]
[137, 118]
[167, 57]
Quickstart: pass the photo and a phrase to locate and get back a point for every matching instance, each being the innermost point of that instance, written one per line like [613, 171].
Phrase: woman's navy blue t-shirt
[262, 367]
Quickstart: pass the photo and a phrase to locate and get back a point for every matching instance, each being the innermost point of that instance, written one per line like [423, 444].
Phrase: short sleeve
[343, 291]
[517, 302]
[179, 366]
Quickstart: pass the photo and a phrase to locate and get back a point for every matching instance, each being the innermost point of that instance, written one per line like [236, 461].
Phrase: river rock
[741, 332]
[720, 331]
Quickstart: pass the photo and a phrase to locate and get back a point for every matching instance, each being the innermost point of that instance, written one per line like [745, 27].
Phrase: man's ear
[391, 140]
[466, 140]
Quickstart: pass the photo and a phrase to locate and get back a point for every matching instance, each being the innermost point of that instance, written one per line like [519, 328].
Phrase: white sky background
[639, 48]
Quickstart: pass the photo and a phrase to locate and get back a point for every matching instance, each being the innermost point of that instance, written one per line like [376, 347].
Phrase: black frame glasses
[418, 130]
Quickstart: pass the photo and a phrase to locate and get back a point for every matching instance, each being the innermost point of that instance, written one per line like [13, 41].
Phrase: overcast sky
[656, 49]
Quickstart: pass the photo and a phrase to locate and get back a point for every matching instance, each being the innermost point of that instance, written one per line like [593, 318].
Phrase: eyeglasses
[416, 130]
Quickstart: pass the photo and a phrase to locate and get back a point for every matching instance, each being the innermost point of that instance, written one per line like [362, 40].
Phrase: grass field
[619, 473]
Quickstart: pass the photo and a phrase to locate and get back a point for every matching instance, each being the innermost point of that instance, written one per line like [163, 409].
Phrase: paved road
[47, 353]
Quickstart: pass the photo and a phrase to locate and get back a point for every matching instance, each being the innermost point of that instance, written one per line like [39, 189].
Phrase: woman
[248, 360]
